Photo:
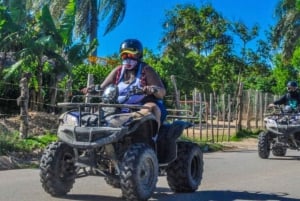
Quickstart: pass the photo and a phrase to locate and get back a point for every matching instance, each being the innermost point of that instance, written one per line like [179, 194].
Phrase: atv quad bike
[129, 153]
[282, 132]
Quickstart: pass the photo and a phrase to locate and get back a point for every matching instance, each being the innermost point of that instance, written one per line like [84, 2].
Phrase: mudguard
[166, 142]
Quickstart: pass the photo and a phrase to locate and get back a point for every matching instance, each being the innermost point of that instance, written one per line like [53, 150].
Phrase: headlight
[68, 119]
[110, 94]
[271, 123]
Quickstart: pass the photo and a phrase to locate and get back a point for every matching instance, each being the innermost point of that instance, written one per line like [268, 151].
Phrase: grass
[208, 146]
[242, 134]
[205, 146]
[11, 142]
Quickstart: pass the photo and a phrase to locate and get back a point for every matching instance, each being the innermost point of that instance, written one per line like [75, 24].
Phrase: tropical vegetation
[56, 41]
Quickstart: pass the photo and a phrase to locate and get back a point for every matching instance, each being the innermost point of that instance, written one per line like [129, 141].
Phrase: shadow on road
[216, 195]
[84, 197]
[164, 194]
[286, 158]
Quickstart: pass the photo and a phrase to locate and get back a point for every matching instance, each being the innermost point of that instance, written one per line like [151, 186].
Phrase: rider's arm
[281, 101]
[110, 78]
[153, 80]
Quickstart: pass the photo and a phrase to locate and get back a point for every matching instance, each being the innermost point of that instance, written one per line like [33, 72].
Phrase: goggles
[128, 56]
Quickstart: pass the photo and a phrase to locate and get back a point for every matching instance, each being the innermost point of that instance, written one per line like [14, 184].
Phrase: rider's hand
[149, 90]
[88, 89]
[84, 90]
[271, 105]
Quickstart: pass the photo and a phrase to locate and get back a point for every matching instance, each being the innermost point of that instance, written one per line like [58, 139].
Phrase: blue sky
[144, 18]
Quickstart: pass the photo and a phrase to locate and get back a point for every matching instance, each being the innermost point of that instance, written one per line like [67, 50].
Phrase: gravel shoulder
[245, 144]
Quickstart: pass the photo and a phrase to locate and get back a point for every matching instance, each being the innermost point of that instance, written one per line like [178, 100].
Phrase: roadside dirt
[245, 144]
[39, 124]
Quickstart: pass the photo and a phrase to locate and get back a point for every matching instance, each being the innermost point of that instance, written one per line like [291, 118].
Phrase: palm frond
[115, 11]
[12, 69]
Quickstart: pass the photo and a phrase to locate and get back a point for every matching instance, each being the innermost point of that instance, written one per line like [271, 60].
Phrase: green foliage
[10, 142]
[281, 74]
[205, 146]
[202, 48]
[80, 74]
[285, 34]
[244, 134]
[296, 59]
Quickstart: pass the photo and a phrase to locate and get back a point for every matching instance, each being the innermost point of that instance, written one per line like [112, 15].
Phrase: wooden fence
[218, 117]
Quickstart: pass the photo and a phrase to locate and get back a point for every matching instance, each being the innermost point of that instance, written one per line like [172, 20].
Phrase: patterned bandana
[129, 63]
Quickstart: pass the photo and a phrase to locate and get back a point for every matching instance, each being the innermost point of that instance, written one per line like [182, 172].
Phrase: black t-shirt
[291, 98]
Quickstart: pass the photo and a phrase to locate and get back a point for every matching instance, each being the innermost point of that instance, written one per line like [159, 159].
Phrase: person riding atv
[122, 138]
[291, 99]
[282, 125]
[135, 73]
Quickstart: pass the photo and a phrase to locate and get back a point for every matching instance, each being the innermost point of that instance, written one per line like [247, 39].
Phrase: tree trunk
[53, 96]
[40, 98]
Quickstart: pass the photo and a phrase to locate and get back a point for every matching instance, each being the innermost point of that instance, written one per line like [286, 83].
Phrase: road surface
[228, 176]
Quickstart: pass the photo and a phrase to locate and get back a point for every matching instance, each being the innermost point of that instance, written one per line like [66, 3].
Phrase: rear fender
[166, 142]
[176, 129]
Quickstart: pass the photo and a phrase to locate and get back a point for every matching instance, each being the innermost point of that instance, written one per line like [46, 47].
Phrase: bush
[10, 142]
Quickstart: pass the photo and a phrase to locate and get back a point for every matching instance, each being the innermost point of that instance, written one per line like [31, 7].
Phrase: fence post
[22, 101]
[229, 116]
[248, 113]
[239, 108]
[257, 95]
[211, 116]
[200, 115]
[177, 103]
[68, 92]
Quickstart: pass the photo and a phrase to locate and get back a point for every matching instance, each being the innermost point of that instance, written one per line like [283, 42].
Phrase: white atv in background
[282, 132]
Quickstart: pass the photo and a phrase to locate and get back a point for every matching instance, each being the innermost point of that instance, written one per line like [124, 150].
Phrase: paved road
[228, 176]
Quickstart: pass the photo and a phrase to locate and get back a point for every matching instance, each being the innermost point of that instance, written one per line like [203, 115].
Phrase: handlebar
[72, 105]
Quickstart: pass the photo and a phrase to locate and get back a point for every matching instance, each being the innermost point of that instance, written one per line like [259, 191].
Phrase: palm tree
[42, 42]
[286, 32]
[88, 14]
[87, 17]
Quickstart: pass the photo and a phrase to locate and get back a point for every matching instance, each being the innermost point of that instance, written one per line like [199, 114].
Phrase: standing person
[133, 72]
[291, 99]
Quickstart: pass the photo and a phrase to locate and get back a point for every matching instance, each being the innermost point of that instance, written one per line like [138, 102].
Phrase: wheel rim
[195, 167]
[146, 173]
[67, 165]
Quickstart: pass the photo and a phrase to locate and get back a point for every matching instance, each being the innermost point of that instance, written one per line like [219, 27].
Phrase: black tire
[185, 173]
[57, 169]
[139, 172]
[278, 150]
[264, 145]
[113, 181]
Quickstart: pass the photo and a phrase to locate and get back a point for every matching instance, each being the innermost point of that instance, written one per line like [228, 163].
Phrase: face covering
[129, 63]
